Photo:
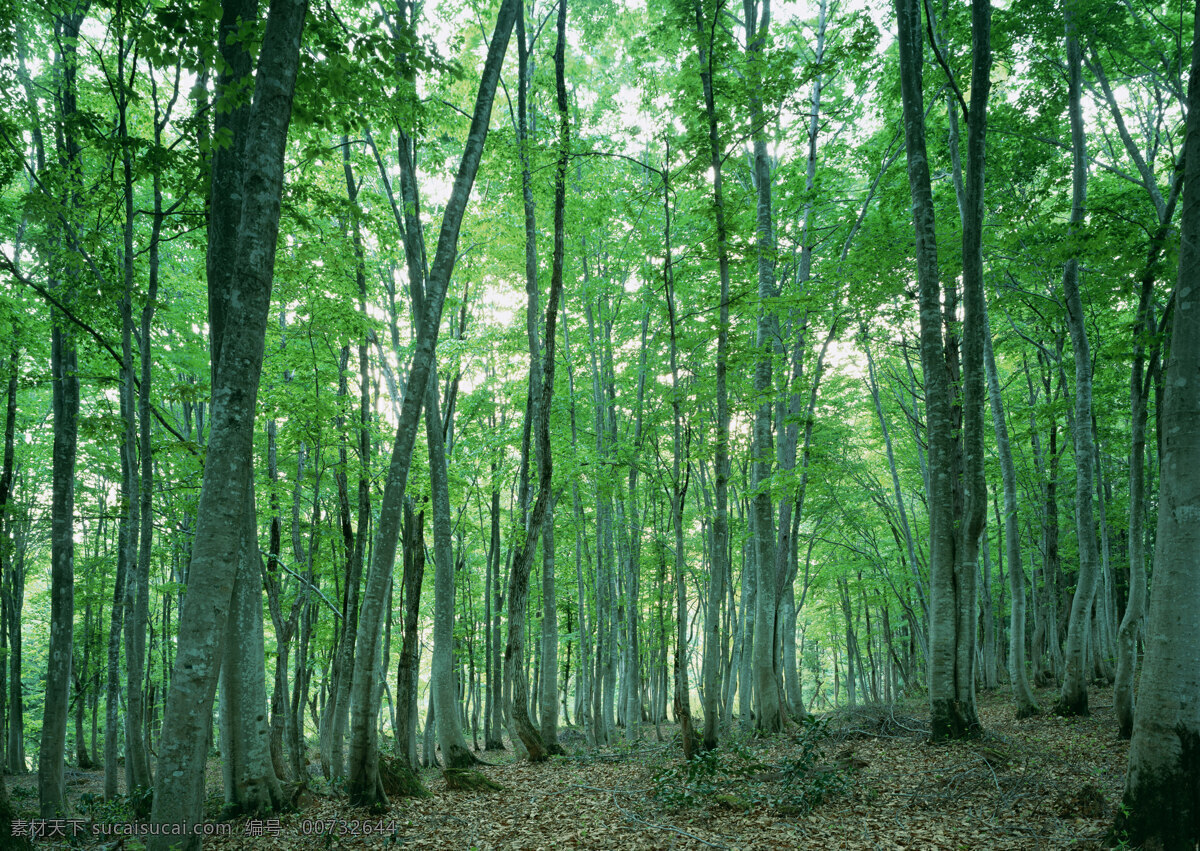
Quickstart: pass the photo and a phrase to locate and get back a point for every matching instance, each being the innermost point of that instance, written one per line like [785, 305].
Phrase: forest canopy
[388, 384]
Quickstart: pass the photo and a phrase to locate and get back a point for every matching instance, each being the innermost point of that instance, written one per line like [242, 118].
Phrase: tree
[64, 367]
[1073, 699]
[364, 770]
[220, 548]
[1162, 787]
[953, 547]
[706, 38]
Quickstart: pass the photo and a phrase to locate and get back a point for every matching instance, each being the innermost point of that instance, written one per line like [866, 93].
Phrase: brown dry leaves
[1045, 783]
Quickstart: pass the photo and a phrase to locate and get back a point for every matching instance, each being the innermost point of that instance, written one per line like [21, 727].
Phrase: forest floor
[865, 778]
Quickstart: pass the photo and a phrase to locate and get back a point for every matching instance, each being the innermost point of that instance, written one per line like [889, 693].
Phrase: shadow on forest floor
[863, 778]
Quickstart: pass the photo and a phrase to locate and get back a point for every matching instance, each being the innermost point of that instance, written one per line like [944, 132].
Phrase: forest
[600, 423]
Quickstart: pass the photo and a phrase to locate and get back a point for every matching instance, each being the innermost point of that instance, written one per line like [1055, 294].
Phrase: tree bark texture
[179, 791]
[1162, 788]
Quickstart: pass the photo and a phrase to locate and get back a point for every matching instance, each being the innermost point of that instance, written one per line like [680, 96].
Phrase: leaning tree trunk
[1162, 789]
[364, 786]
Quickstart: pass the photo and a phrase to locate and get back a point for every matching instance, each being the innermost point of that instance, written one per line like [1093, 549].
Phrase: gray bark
[1073, 700]
[770, 717]
[951, 650]
[1139, 394]
[1162, 788]
[455, 753]
[1026, 704]
[227, 483]
[364, 785]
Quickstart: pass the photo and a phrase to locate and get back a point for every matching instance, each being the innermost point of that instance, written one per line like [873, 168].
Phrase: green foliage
[737, 775]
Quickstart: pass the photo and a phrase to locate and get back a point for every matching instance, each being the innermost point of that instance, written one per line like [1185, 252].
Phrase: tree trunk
[706, 36]
[1026, 704]
[951, 650]
[65, 404]
[227, 485]
[1073, 700]
[251, 785]
[364, 785]
[1162, 789]
[1139, 393]
[455, 753]
[407, 675]
[974, 518]
[770, 716]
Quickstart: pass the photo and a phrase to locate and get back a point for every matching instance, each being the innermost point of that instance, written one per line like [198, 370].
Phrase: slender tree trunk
[680, 461]
[407, 675]
[1073, 700]
[518, 586]
[548, 703]
[1026, 704]
[706, 36]
[364, 786]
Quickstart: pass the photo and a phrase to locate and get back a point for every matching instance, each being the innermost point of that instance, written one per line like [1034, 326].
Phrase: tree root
[467, 780]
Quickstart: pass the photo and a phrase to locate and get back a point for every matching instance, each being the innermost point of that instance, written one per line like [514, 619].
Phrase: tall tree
[1073, 699]
[1162, 788]
[221, 536]
[65, 405]
[952, 599]
[770, 717]
[365, 787]
[706, 38]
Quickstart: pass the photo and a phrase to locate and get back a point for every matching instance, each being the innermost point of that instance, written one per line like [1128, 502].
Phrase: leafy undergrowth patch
[863, 778]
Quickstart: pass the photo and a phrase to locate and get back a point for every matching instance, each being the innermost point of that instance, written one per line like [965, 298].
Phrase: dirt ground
[865, 778]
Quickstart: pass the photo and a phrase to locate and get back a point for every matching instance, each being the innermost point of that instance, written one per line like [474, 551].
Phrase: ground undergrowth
[862, 778]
